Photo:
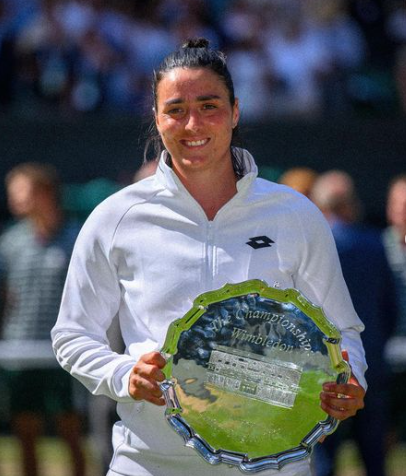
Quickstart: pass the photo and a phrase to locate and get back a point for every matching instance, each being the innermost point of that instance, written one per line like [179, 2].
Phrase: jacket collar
[168, 179]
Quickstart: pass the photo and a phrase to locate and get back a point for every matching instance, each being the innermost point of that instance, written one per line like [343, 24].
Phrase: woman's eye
[175, 110]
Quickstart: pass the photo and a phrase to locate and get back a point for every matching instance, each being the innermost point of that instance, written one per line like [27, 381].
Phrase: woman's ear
[236, 113]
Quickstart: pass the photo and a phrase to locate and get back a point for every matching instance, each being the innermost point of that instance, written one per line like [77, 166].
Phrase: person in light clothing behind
[34, 259]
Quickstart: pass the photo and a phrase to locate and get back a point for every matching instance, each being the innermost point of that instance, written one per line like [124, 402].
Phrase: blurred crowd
[37, 396]
[287, 57]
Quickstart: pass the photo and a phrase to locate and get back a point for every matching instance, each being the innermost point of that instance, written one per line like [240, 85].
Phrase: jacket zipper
[210, 255]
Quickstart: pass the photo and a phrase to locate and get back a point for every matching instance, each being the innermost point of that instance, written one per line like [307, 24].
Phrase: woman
[148, 251]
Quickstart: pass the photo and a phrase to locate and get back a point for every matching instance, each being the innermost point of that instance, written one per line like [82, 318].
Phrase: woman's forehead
[190, 83]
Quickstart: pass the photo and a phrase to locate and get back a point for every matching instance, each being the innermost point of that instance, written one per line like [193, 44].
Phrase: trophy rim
[173, 408]
[242, 461]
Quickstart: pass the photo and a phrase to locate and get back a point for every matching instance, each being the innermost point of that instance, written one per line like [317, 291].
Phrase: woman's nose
[193, 122]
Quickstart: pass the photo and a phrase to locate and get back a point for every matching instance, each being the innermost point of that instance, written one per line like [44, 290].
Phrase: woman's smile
[195, 143]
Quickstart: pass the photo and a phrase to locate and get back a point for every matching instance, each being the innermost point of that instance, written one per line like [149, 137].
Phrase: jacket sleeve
[321, 280]
[90, 300]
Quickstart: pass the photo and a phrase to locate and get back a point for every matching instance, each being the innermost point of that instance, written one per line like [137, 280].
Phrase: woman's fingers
[145, 378]
[342, 401]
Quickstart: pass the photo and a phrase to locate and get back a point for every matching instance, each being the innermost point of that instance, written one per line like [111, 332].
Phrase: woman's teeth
[195, 143]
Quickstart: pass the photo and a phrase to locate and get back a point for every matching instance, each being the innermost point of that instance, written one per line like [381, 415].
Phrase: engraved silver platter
[245, 368]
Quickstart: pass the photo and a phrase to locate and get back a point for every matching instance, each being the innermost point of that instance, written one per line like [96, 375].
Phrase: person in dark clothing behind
[369, 280]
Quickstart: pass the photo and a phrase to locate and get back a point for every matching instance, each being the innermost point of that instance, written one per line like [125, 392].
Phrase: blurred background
[322, 86]
[320, 82]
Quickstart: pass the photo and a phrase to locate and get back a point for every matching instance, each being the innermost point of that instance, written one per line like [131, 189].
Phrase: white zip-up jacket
[145, 253]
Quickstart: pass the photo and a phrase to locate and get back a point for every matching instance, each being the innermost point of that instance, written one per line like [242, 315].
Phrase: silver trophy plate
[245, 368]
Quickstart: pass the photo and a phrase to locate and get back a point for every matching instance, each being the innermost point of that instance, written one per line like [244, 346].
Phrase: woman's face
[195, 119]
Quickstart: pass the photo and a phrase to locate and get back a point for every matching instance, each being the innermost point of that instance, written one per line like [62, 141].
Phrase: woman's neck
[211, 191]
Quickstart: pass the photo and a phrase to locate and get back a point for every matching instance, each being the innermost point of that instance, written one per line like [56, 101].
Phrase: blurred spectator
[122, 87]
[252, 78]
[196, 21]
[396, 23]
[193, 25]
[299, 178]
[76, 17]
[14, 15]
[149, 41]
[244, 25]
[299, 61]
[242, 20]
[372, 88]
[34, 256]
[395, 244]
[371, 16]
[346, 50]
[370, 282]
[341, 33]
[46, 55]
[94, 63]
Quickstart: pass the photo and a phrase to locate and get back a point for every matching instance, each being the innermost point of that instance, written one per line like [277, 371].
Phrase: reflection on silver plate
[272, 382]
[245, 367]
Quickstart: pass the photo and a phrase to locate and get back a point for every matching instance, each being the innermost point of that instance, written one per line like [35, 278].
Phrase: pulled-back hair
[193, 54]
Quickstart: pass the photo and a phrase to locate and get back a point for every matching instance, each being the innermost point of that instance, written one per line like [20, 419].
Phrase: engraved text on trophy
[274, 382]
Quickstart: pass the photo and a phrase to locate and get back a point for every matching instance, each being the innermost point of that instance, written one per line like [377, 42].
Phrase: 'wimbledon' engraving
[274, 382]
[279, 320]
[258, 339]
[242, 334]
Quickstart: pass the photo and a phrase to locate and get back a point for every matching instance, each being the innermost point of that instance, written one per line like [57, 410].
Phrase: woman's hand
[144, 378]
[342, 401]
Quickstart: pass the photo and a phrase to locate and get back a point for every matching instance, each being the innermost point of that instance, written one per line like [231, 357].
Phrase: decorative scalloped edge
[173, 411]
[245, 464]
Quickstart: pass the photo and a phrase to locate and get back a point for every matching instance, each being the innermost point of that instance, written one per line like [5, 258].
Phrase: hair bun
[196, 43]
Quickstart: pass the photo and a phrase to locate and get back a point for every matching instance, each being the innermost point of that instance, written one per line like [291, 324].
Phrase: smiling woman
[146, 252]
[195, 114]
[196, 55]
[195, 121]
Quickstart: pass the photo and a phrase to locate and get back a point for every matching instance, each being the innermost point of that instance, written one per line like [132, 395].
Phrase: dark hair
[195, 53]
